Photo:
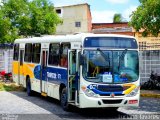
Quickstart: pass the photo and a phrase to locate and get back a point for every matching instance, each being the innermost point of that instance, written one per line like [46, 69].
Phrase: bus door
[43, 81]
[20, 68]
[73, 76]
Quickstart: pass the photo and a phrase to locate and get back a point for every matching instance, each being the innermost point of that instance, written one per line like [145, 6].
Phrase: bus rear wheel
[28, 86]
[63, 100]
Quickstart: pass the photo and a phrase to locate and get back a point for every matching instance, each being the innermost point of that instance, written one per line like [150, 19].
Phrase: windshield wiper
[104, 56]
[122, 57]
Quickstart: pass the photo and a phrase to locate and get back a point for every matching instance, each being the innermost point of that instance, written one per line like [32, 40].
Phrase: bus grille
[112, 101]
[105, 88]
[110, 95]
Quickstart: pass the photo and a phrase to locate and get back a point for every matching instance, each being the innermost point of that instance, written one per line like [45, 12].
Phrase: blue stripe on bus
[55, 75]
[95, 90]
[103, 93]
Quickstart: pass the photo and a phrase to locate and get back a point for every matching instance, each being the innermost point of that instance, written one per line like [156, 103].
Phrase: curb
[150, 95]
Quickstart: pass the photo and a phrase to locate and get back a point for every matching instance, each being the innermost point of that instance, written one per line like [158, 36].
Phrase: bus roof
[66, 38]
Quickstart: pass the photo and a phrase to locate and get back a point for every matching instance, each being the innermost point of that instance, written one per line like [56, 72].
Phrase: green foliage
[117, 18]
[147, 17]
[10, 87]
[20, 18]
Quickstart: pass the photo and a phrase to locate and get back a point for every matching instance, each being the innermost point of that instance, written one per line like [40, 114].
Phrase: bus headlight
[89, 92]
[134, 92]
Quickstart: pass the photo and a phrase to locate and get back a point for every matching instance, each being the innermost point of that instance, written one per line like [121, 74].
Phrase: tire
[64, 103]
[28, 87]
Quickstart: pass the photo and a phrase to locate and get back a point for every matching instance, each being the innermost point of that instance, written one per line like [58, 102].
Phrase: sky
[103, 10]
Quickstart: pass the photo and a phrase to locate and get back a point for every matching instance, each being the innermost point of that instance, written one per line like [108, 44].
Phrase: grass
[10, 87]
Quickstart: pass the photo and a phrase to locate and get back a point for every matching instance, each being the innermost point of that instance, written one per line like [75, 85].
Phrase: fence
[149, 61]
[6, 57]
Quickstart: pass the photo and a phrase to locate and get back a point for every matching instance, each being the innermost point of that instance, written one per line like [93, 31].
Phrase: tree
[147, 17]
[117, 18]
[26, 18]
[10, 13]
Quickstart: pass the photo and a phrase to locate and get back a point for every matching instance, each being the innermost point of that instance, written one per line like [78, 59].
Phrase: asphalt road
[18, 106]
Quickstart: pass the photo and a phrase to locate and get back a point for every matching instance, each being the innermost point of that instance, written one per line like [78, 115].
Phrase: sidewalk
[150, 93]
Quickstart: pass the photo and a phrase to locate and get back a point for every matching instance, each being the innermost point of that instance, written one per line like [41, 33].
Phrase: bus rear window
[110, 42]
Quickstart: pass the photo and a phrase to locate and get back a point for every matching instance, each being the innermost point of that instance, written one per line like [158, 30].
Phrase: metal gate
[149, 61]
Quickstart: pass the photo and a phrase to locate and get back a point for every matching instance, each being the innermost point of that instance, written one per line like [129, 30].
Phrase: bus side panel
[54, 77]
[15, 65]
[28, 69]
[21, 76]
[53, 90]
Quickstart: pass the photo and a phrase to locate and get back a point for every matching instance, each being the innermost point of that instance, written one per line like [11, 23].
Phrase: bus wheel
[64, 102]
[28, 86]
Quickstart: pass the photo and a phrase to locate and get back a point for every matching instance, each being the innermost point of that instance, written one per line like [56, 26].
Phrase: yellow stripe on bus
[132, 86]
[15, 67]
[26, 69]
[31, 65]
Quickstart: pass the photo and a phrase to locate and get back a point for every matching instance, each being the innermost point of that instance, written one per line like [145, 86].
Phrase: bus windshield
[106, 66]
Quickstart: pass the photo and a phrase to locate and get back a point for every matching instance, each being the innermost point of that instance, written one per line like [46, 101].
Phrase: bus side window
[64, 54]
[36, 53]
[54, 54]
[16, 52]
[28, 52]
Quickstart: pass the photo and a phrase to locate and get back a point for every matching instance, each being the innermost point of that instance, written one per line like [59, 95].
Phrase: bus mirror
[81, 59]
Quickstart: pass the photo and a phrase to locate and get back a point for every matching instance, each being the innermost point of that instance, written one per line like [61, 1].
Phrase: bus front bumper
[93, 102]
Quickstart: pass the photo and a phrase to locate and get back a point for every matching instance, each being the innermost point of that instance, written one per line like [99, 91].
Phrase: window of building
[54, 54]
[77, 24]
[28, 52]
[58, 11]
[64, 54]
[16, 52]
[36, 53]
[142, 46]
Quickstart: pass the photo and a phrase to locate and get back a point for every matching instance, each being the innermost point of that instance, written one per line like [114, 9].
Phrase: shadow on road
[96, 114]
[53, 106]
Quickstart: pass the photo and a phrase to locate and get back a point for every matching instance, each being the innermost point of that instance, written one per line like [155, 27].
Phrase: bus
[85, 70]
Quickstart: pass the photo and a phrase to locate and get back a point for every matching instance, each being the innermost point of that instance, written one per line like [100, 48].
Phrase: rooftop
[71, 5]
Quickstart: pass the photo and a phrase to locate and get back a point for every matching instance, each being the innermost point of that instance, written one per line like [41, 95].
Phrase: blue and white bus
[84, 70]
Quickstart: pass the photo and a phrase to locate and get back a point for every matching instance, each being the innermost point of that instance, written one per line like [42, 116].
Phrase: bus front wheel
[64, 102]
[28, 86]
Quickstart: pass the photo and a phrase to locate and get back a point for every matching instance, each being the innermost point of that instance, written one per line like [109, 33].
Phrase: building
[76, 18]
[112, 28]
